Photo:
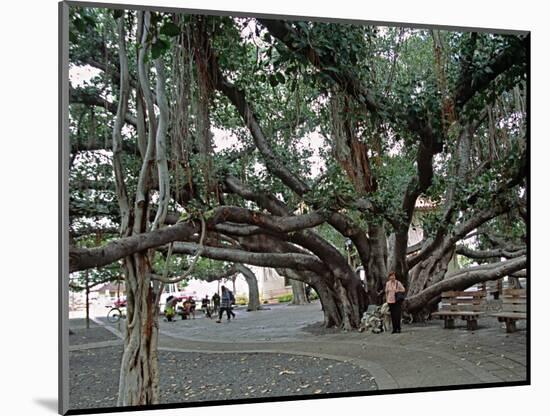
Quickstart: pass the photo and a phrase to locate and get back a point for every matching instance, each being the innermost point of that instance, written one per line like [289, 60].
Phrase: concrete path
[421, 356]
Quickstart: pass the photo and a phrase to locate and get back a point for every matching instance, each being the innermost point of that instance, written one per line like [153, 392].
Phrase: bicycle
[115, 314]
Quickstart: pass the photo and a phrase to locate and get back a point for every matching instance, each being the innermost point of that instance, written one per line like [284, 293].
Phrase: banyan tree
[273, 143]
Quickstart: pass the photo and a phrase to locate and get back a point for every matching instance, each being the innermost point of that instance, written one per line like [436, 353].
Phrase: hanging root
[164, 278]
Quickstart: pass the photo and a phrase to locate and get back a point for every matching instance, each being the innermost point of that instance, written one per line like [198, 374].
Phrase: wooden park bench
[514, 308]
[464, 305]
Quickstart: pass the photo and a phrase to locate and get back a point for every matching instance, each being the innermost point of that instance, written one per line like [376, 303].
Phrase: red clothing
[391, 288]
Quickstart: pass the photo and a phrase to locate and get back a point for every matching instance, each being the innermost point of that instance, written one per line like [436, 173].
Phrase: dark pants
[228, 310]
[395, 311]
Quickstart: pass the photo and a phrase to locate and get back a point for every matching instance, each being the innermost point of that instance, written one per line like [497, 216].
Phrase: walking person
[394, 286]
[216, 302]
[232, 302]
[225, 305]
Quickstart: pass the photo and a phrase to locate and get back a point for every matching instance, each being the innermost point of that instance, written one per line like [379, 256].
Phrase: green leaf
[118, 13]
[280, 78]
[80, 24]
[170, 29]
[273, 81]
[158, 48]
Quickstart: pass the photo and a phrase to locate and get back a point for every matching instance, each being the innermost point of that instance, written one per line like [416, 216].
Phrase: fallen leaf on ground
[287, 372]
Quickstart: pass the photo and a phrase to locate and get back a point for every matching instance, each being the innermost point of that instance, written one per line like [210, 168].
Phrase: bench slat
[514, 292]
[465, 294]
[514, 308]
[514, 301]
[457, 313]
[510, 315]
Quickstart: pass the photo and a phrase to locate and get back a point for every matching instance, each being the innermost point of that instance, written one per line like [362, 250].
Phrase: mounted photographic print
[269, 208]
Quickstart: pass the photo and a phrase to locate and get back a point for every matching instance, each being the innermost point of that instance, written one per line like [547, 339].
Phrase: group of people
[218, 304]
[186, 310]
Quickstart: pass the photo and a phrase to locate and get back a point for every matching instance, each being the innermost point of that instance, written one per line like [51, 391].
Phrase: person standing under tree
[308, 293]
[193, 306]
[205, 306]
[225, 304]
[392, 287]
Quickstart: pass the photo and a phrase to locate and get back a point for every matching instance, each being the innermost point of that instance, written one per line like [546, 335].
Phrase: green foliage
[464, 261]
[241, 300]
[207, 268]
[285, 298]
[334, 191]
[170, 29]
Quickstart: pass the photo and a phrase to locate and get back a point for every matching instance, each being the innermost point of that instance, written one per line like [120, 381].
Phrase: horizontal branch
[79, 96]
[274, 260]
[485, 254]
[273, 223]
[81, 259]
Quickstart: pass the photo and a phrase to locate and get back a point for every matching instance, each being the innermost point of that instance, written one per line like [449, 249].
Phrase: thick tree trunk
[298, 292]
[139, 372]
[342, 303]
[253, 292]
[376, 272]
[329, 305]
[398, 262]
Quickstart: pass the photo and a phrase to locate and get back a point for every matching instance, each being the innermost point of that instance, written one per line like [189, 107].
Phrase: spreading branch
[487, 254]
[466, 278]
[273, 260]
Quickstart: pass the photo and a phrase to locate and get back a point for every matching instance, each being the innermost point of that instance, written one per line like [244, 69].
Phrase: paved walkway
[421, 356]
